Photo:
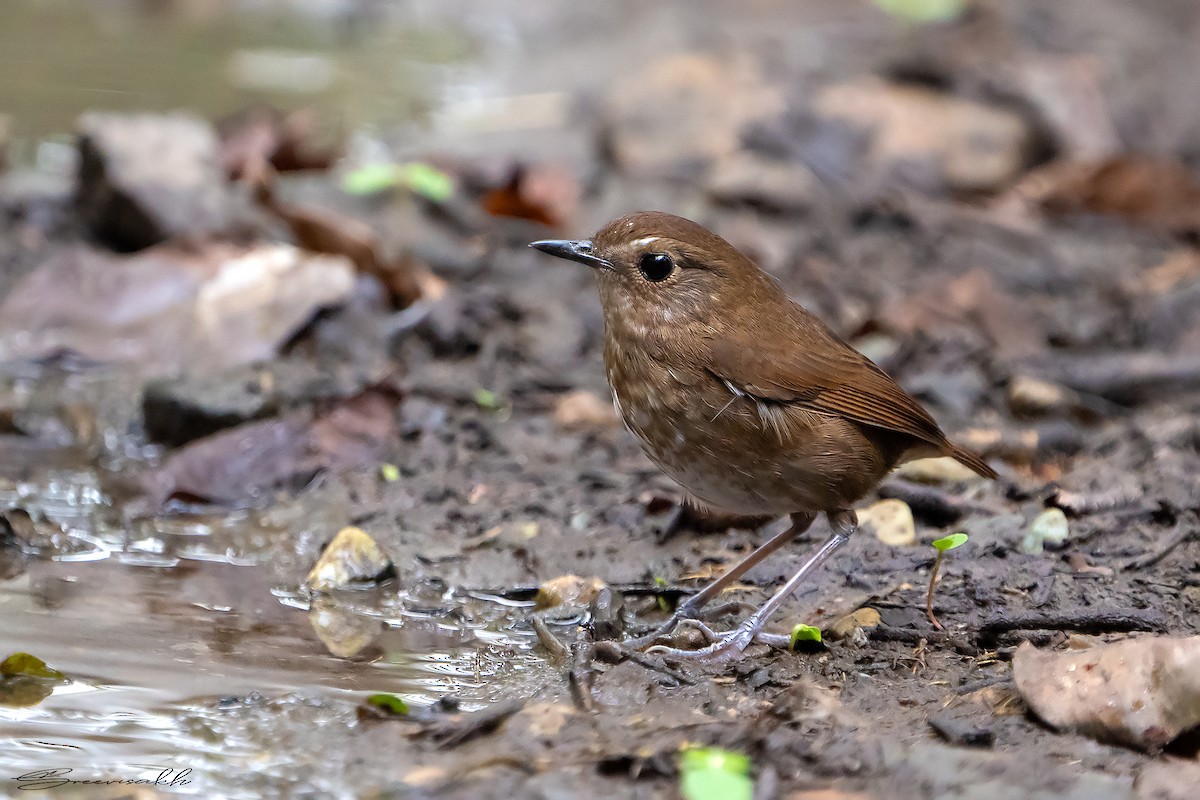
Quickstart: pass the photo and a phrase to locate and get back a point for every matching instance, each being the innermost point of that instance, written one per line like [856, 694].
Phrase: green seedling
[924, 10]
[415, 176]
[804, 633]
[942, 545]
[486, 398]
[663, 605]
[710, 773]
[388, 703]
[389, 472]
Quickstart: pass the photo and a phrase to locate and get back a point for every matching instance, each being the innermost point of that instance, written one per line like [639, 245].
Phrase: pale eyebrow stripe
[645, 240]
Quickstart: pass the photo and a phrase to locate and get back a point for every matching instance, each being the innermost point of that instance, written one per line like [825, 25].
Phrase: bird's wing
[826, 376]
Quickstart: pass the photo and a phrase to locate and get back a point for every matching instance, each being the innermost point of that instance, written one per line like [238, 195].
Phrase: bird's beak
[580, 251]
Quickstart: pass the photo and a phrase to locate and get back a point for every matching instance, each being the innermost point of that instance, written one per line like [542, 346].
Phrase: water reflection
[159, 657]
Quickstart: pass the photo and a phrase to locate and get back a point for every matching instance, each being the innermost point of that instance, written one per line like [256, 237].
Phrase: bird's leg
[688, 609]
[731, 645]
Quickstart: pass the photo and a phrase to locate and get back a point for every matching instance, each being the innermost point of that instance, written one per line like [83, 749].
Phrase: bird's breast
[733, 451]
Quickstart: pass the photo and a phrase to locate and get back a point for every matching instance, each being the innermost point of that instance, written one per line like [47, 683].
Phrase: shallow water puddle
[167, 661]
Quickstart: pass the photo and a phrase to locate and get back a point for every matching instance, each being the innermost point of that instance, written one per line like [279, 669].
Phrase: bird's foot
[684, 615]
[722, 647]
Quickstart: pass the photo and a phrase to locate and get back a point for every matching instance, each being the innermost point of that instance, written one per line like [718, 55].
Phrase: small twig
[582, 676]
[975, 686]
[1186, 533]
[889, 633]
[1102, 621]
[454, 729]
[615, 653]
[555, 649]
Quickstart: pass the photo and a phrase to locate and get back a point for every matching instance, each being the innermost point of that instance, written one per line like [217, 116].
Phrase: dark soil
[959, 295]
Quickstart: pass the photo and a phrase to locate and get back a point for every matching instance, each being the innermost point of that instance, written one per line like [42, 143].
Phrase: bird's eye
[656, 266]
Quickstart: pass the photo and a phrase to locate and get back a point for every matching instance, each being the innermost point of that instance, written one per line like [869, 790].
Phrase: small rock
[846, 626]
[583, 409]
[683, 112]
[968, 145]
[178, 410]
[569, 590]
[146, 177]
[1169, 779]
[1033, 397]
[352, 558]
[780, 186]
[959, 731]
[936, 770]
[936, 470]
[892, 521]
[1048, 529]
[1141, 692]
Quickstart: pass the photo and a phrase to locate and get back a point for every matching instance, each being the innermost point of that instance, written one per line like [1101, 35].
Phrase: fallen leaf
[245, 465]
[1142, 692]
[1151, 191]
[327, 232]
[24, 665]
[966, 145]
[167, 308]
[262, 136]
[544, 193]
[679, 112]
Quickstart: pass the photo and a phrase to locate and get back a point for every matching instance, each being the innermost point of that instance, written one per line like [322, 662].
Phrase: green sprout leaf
[371, 179]
[661, 583]
[389, 703]
[389, 472]
[427, 181]
[486, 398]
[924, 10]
[24, 665]
[710, 773]
[950, 542]
[804, 633]
[415, 176]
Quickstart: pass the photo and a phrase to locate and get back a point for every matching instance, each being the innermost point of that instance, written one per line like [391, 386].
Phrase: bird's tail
[972, 461]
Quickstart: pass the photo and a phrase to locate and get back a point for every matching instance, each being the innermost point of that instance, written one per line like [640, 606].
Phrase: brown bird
[749, 402]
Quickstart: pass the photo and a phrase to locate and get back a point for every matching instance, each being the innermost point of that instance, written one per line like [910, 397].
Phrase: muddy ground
[1001, 210]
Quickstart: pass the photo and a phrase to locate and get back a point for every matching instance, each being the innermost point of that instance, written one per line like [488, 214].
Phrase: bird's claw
[687, 618]
[723, 647]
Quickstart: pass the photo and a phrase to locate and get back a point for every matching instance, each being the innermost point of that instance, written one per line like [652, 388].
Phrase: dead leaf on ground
[975, 299]
[324, 231]
[245, 465]
[263, 135]
[1154, 192]
[543, 193]
[211, 306]
[967, 145]
[1141, 692]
